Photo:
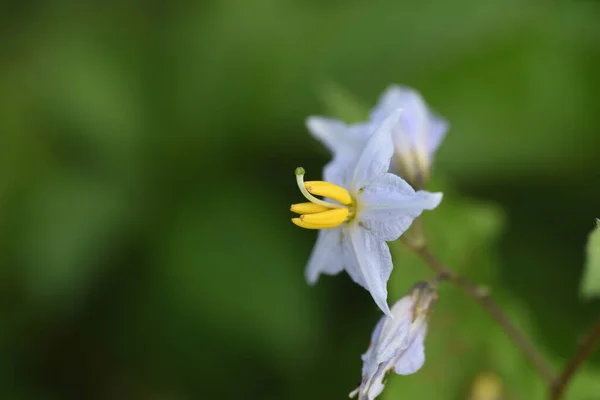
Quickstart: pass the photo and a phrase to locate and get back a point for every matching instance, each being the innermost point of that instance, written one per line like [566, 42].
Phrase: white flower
[397, 342]
[369, 207]
[416, 136]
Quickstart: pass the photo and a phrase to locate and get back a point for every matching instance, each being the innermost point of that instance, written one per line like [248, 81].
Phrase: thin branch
[587, 347]
[482, 296]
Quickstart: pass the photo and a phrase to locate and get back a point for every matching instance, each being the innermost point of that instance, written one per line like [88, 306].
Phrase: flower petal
[374, 161]
[374, 385]
[338, 137]
[345, 142]
[413, 358]
[417, 122]
[339, 171]
[389, 205]
[327, 257]
[396, 343]
[369, 360]
[396, 96]
[395, 333]
[411, 130]
[374, 337]
[368, 262]
[386, 339]
[438, 127]
[419, 131]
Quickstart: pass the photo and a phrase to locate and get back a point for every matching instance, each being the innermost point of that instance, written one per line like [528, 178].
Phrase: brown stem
[587, 347]
[482, 296]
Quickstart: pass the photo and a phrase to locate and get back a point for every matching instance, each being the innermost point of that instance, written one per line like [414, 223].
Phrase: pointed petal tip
[316, 126]
[311, 278]
[402, 88]
[430, 200]
[436, 199]
[395, 115]
[311, 120]
[375, 158]
[381, 301]
[391, 119]
[385, 309]
[395, 95]
[315, 123]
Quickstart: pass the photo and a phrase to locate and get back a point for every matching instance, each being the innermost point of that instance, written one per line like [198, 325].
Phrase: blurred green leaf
[91, 101]
[226, 294]
[590, 283]
[66, 230]
[231, 267]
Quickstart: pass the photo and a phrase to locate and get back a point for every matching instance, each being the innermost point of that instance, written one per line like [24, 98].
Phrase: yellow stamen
[332, 217]
[307, 208]
[307, 225]
[321, 214]
[326, 189]
[300, 181]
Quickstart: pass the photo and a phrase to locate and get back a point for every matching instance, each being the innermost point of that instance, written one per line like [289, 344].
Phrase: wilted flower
[416, 136]
[357, 217]
[397, 342]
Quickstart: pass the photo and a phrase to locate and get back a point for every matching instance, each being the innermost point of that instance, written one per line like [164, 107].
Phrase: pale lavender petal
[438, 127]
[395, 332]
[397, 343]
[397, 338]
[327, 257]
[413, 358]
[385, 189]
[389, 206]
[350, 261]
[339, 138]
[374, 338]
[374, 161]
[345, 142]
[414, 116]
[419, 130]
[369, 364]
[374, 385]
[368, 262]
[339, 171]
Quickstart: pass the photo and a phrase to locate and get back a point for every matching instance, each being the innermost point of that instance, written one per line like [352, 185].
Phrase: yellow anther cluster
[326, 189]
[320, 214]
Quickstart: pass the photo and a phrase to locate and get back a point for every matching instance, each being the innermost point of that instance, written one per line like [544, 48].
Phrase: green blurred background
[147, 152]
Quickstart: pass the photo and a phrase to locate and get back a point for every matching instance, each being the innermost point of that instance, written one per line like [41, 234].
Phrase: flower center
[321, 214]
